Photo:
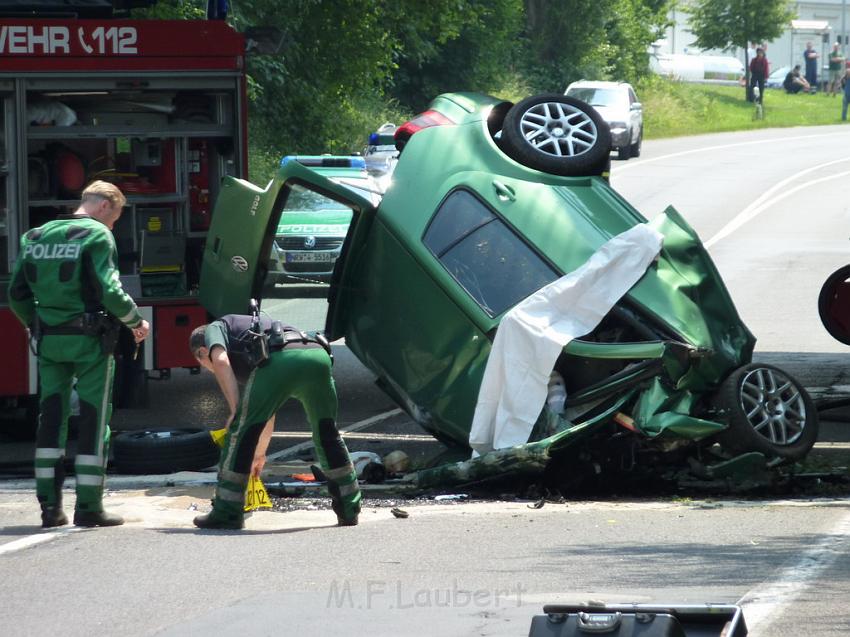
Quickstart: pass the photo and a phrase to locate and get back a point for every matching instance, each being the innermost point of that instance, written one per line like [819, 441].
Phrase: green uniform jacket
[67, 267]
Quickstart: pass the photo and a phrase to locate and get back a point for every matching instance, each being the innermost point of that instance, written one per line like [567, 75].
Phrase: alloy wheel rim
[774, 405]
[559, 130]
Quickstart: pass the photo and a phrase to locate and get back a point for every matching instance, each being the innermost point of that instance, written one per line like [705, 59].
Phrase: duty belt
[97, 324]
[278, 341]
[74, 327]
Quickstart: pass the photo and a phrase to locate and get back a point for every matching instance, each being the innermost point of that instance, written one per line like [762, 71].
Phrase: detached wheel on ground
[558, 135]
[768, 411]
[834, 304]
[164, 451]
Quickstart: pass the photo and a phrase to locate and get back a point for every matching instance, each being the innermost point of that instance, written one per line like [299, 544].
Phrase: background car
[777, 77]
[381, 154]
[618, 105]
[312, 227]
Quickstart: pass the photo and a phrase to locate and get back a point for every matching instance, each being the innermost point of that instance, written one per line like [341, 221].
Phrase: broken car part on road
[491, 202]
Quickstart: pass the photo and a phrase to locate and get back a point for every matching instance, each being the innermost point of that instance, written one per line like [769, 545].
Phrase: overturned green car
[498, 229]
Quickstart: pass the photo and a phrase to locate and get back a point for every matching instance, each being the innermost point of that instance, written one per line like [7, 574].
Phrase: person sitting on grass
[795, 83]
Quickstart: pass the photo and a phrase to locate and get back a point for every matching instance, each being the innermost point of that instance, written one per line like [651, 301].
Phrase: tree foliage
[344, 67]
[722, 24]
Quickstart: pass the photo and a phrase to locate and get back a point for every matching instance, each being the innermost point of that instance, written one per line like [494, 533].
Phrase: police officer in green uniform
[65, 289]
[291, 364]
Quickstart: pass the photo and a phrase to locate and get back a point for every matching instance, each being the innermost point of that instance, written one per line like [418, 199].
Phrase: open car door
[244, 222]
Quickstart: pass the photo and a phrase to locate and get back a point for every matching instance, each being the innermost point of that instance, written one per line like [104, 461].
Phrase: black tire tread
[192, 450]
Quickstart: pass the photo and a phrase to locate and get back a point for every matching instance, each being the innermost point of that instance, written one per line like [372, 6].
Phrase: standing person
[836, 69]
[65, 288]
[759, 70]
[845, 100]
[811, 58]
[297, 366]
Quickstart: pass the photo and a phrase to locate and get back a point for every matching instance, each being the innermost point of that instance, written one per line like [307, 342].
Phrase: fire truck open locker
[156, 107]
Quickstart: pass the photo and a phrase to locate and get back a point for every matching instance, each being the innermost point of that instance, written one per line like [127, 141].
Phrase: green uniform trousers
[303, 374]
[61, 359]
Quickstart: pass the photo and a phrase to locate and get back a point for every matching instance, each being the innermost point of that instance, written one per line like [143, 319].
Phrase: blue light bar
[325, 161]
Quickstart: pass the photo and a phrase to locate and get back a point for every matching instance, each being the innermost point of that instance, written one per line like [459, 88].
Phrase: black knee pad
[332, 443]
[50, 421]
[87, 442]
[245, 453]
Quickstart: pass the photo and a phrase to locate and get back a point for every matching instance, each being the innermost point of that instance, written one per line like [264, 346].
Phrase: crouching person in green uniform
[65, 288]
[292, 365]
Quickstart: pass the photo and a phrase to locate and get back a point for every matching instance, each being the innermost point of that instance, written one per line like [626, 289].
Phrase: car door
[245, 219]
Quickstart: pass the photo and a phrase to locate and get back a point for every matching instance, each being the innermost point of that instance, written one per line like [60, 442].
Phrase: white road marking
[763, 604]
[765, 201]
[35, 540]
[357, 426]
[636, 164]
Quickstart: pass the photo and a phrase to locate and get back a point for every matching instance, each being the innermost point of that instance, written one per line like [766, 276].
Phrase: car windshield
[303, 199]
[598, 96]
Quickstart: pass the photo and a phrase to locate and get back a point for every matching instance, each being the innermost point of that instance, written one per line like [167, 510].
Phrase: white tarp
[532, 334]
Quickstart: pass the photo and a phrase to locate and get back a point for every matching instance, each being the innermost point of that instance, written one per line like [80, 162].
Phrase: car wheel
[558, 135]
[834, 304]
[636, 146]
[767, 411]
[164, 451]
[624, 152]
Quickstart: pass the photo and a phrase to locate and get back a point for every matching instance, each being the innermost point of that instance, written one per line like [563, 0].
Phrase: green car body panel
[405, 316]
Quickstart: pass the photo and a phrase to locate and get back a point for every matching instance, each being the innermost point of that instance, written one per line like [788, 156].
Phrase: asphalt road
[775, 231]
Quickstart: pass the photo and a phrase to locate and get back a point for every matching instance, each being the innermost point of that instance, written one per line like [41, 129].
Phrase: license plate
[310, 257]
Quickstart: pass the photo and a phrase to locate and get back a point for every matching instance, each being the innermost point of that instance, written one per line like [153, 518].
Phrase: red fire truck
[156, 107]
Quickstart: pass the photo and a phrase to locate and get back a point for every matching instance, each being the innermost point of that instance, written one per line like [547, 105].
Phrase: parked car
[777, 77]
[618, 105]
[312, 226]
[381, 154]
[491, 204]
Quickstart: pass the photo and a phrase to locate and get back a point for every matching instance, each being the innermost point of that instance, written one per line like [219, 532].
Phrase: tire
[767, 411]
[834, 304]
[557, 134]
[636, 146]
[624, 153]
[164, 451]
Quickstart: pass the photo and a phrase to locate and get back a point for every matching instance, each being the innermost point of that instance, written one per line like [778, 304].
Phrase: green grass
[672, 109]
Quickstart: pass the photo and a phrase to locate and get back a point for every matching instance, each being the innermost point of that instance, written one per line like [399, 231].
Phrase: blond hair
[104, 190]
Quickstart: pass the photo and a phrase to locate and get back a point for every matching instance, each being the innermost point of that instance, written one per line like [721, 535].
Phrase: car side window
[485, 256]
[632, 97]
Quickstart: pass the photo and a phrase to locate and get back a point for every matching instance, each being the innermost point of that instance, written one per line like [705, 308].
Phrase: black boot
[52, 516]
[217, 520]
[336, 499]
[97, 518]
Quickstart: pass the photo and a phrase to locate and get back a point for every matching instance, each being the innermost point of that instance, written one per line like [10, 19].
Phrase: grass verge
[673, 109]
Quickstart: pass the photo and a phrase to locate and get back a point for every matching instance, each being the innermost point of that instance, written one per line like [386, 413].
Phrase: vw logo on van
[239, 264]
[309, 242]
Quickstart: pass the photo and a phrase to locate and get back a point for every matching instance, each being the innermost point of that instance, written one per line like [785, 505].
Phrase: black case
[639, 620]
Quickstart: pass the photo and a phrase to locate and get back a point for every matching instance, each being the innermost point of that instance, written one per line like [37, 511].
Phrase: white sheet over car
[532, 334]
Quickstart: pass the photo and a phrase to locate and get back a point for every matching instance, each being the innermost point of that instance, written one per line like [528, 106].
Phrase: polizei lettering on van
[52, 251]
